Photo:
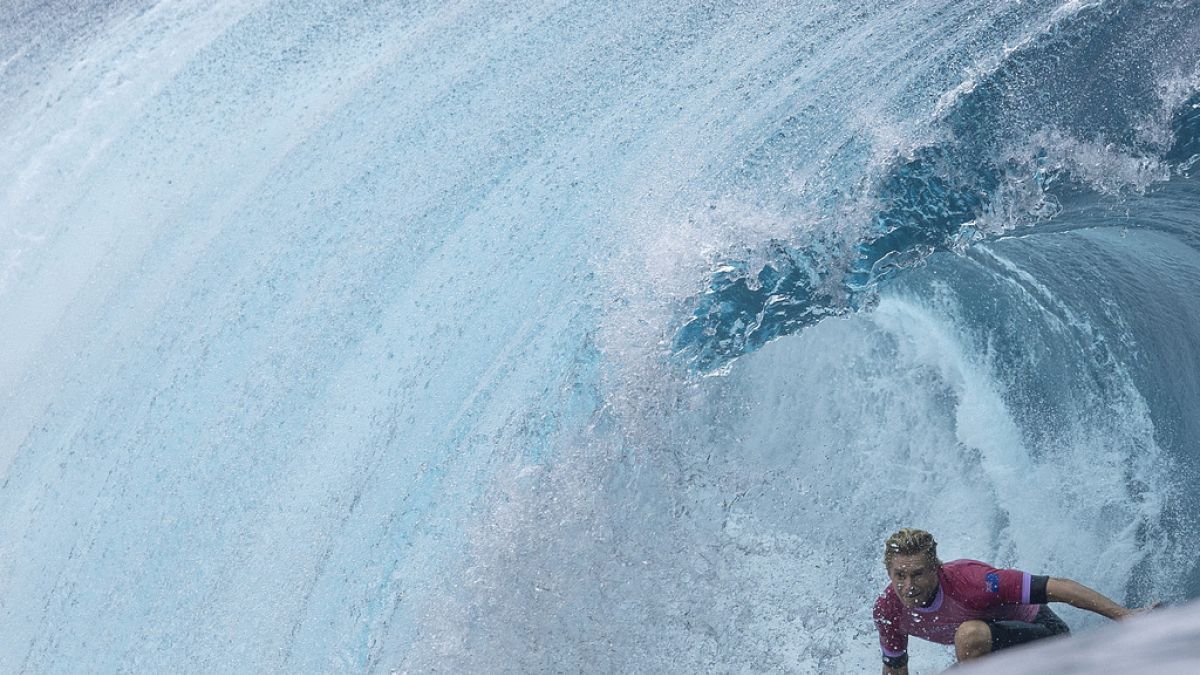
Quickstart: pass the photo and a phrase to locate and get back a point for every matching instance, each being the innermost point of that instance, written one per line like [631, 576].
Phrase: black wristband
[896, 661]
[1037, 590]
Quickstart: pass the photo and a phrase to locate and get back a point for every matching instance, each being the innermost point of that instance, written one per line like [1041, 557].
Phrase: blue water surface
[591, 336]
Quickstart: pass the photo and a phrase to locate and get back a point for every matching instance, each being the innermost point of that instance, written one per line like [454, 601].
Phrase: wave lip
[741, 311]
[1037, 131]
[936, 200]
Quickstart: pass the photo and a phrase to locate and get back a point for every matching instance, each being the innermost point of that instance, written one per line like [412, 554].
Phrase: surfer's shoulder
[887, 601]
[964, 566]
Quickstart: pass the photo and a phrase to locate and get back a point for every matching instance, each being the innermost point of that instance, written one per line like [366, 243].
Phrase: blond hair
[910, 541]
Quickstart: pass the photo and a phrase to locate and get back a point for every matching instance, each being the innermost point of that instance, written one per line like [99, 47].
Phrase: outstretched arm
[1078, 595]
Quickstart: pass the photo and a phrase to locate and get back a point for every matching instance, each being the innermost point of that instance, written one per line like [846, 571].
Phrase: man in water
[968, 604]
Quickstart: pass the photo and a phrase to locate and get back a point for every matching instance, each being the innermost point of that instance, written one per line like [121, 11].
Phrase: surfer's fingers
[1148, 608]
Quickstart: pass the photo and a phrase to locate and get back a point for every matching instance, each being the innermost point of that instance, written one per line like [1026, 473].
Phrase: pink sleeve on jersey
[892, 640]
[1014, 587]
[989, 587]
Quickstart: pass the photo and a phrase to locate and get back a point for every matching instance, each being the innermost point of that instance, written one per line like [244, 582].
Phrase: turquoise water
[343, 336]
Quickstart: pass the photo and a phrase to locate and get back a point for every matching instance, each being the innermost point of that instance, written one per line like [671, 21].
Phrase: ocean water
[1164, 643]
[582, 336]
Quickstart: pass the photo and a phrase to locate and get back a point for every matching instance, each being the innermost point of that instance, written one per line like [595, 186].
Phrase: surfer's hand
[1139, 610]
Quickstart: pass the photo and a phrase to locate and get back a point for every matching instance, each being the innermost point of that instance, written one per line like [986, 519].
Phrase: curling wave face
[342, 337]
[1007, 163]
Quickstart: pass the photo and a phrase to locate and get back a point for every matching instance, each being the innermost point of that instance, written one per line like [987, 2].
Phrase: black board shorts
[1012, 633]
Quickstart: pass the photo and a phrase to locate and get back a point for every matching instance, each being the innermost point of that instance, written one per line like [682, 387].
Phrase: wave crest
[1001, 167]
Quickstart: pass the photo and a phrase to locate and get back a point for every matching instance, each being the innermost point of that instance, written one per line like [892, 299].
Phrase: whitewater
[545, 336]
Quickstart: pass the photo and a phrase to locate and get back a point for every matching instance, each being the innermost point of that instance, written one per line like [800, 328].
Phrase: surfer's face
[914, 578]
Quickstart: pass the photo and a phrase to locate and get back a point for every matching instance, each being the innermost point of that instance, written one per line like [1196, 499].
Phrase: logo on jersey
[993, 582]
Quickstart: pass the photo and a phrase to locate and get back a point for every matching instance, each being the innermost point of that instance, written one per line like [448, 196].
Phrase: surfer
[969, 604]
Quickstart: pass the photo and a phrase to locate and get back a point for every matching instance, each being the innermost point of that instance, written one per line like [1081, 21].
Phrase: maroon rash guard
[967, 590]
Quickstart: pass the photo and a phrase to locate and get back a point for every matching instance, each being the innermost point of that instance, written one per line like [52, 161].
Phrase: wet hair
[910, 541]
